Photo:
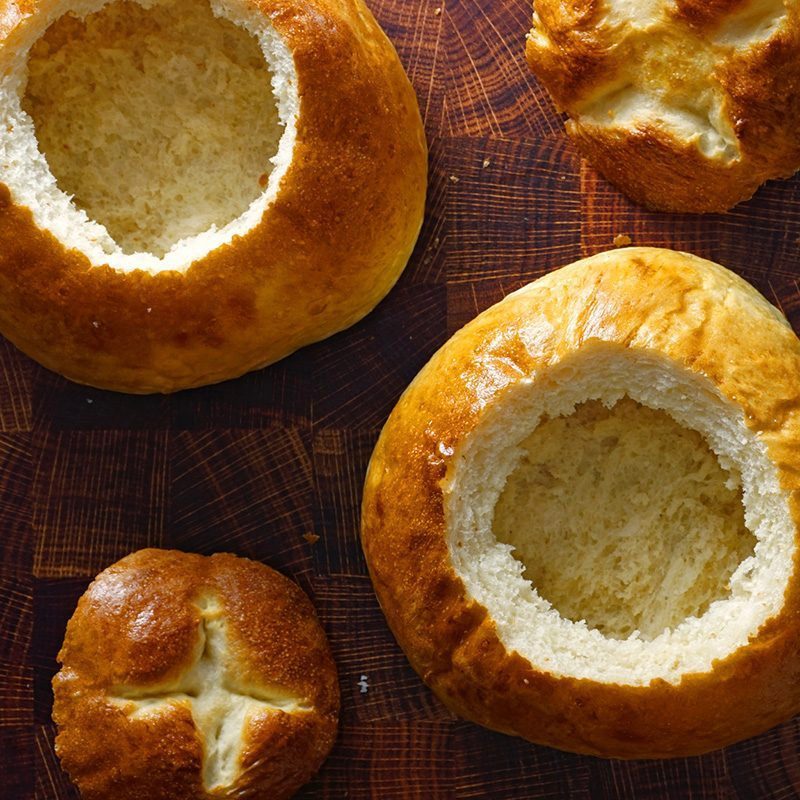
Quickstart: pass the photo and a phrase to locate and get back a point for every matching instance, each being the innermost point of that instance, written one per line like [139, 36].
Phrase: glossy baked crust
[582, 56]
[137, 625]
[696, 314]
[326, 251]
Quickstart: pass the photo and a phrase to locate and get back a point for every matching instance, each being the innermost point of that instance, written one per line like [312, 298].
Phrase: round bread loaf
[685, 105]
[581, 517]
[189, 191]
[186, 676]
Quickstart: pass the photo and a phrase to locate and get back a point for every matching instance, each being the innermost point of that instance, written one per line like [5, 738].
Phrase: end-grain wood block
[96, 495]
[263, 465]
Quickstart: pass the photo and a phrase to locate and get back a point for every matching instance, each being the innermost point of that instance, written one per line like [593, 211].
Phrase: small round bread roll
[684, 105]
[186, 676]
[581, 518]
[190, 189]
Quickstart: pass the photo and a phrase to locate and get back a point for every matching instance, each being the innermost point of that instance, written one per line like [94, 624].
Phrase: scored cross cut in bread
[191, 189]
[221, 709]
[685, 105]
[185, 676]
[581, 518]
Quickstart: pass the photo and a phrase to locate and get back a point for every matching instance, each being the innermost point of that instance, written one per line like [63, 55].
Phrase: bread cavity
[146, 135]
[623, 518]
[618, 520]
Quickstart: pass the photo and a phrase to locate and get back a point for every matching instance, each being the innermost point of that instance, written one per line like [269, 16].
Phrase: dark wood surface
[254, 465]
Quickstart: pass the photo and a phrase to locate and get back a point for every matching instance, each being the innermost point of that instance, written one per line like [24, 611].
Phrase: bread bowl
[634, 415]
[186, 676]
[192, 190]
[685, 106]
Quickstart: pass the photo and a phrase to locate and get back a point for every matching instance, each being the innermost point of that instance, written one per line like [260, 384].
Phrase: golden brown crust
[751, 84]
[694, 313]
[138, 626]
[706, 14]
[330, 247]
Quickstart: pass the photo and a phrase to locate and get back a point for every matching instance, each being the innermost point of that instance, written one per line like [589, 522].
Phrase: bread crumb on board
[622, 240]
[311, 538]
[363, 684]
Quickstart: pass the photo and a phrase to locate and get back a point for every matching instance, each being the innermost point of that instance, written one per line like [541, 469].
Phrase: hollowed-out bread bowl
[193, 190]
[581, 517]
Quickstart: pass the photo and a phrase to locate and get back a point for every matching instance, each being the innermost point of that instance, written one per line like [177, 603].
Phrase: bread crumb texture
[623, 518]
[581, 517]
[159, 121]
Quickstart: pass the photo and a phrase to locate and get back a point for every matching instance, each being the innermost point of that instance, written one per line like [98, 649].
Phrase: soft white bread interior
[623, 518]
[147, 135]
[192, 189]
[684, 105]
[672, 535]
[581, 519]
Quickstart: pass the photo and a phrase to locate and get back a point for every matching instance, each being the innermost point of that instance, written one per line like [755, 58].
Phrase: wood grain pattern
[253, 466]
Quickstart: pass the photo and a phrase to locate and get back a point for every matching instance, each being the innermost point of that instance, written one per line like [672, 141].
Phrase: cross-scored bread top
[685, 105]
[186, 676]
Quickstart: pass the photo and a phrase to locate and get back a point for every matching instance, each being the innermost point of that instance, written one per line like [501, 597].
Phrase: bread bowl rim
[53, 209]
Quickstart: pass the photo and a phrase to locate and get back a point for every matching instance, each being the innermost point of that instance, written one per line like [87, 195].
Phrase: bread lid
[193, 189]
[685, 105]
[186, 676]
[581, 518]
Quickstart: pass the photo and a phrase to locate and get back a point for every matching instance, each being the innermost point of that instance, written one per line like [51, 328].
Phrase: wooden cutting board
[254, 465]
